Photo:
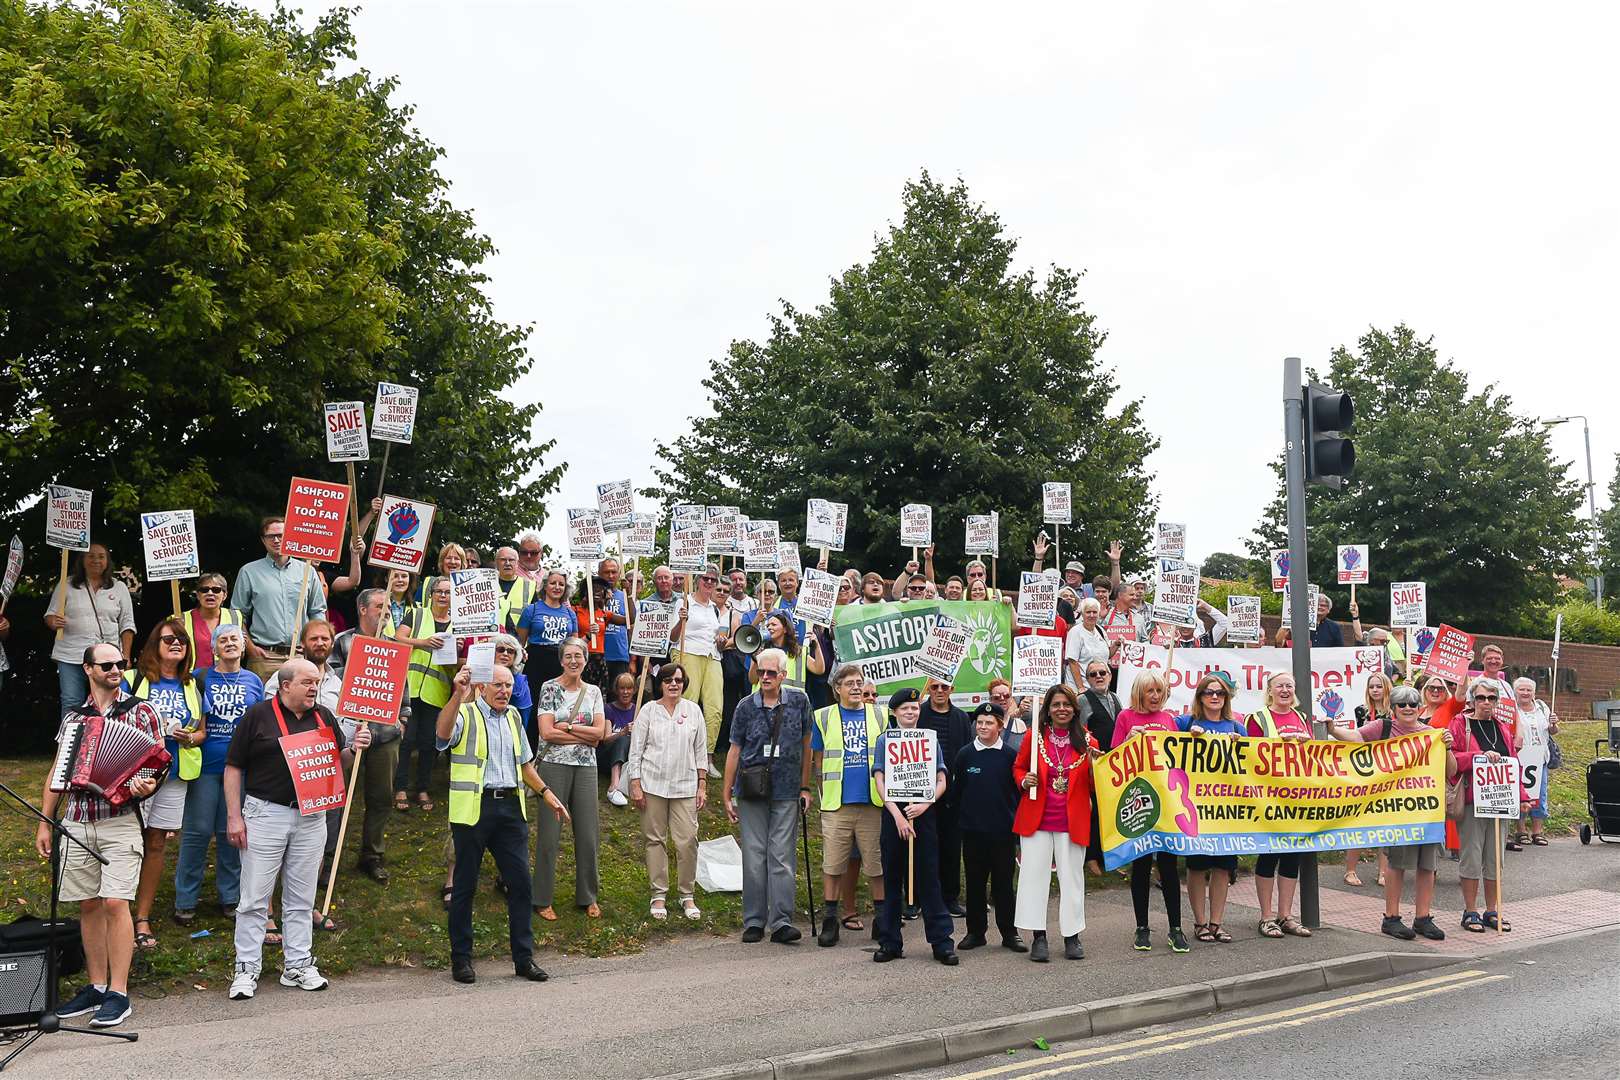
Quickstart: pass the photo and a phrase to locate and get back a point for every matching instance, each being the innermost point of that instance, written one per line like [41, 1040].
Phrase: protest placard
[641, 535]
[393, 417]
[943, 650]
[983, 534]
[312, 759]
[374, 681]
[1176, 602]
[818, 596]
[401, 539]
[688, 547]
[1408, 604]
[724, 530]
[788, 554]
[481, 662]
[314, 520]
[1037, 663]
[1419, 641]
[1279, 569]
[1244, 625]
[346, 431]
[762, 546]
[1170, 538]
[170, 540]
[916, 525]
[475, 600]
[824, 524]
[14, 561]
[584, 534]
[1312, 592]
[1451, 655]
[650, 634]
[1353, 565]
[1037, 601]
[910, 764]
[67, 518]
[1057, 506]
[615, 503]
[689, 515]
[1338, 675]
[1497, 788]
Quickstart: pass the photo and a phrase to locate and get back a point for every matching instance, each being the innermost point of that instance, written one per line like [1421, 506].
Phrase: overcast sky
[1240, 182]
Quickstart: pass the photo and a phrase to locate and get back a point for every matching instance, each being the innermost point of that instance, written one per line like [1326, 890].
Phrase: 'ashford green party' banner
[883, 639]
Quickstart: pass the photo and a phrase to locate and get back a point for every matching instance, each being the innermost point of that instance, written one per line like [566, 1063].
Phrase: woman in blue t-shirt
[227, 692]
[1210, 876]
[545, 624]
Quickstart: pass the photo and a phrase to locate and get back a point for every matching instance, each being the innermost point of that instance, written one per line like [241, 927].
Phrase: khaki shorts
[1412, 857]
[166, 809]
[116, 839]
[861, 822]
[1478, 835]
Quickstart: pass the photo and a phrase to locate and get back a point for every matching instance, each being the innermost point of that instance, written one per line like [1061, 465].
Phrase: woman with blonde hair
[1147, 712]
[1375, 707]
[452, 557]
[1280, 718]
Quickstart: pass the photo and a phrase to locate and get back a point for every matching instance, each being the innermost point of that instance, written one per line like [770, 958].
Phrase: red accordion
[102, 756]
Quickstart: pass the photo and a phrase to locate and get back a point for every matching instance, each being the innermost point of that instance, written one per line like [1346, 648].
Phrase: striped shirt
[86, 805]
[668, 750]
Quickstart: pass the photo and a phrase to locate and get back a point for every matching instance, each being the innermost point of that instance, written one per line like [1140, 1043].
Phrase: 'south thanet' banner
[1338, 676]
[1227, 795]
[884, 639]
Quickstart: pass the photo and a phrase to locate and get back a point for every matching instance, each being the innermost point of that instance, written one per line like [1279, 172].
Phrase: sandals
[1220, 935]
[1270, 929]
[547, 913]
[1202, 932]
[658, 910]
[145, 939]
[324, 922]
[401, 802]
[690, 909]
[272, 932]
[1473, 923]
[1538, 840]
[1353, 879]
[853, 923]
[1290, 925]
[593, 912]
[1491, 919]
[424, 802]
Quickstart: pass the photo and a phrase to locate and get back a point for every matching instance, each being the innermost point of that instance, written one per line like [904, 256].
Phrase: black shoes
[972, 941]
[1014, 943]
[956, 909]
[911, 912]
[1395, 928]
[829, 932]
[1072, 949]
[752, 934]
[1144, 940]
[786, 935]
[1037, 950]
[1424, 925]
[462, 970]
[883, 956]
[948, 958]
[1178, 941]
[531, 971]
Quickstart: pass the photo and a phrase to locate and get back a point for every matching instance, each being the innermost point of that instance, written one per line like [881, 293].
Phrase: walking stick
[809, 878]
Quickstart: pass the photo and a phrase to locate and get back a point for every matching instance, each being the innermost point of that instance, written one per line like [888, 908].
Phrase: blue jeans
[74, 684]
[204, 820]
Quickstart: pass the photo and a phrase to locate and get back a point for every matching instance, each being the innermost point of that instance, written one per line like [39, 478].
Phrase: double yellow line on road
[1190, 1038]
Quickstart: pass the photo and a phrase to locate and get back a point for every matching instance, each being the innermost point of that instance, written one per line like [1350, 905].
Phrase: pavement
[709, 1002]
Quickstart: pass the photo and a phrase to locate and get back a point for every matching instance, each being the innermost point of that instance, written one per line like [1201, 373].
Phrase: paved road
[1548, 1011]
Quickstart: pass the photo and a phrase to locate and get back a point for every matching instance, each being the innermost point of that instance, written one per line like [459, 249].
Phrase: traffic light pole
[1298, 613]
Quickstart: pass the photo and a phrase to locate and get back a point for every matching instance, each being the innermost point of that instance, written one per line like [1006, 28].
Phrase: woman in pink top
[1280, 718]
[1149, 694]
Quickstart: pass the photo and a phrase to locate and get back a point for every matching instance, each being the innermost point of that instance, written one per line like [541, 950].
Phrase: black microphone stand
[49, 1022]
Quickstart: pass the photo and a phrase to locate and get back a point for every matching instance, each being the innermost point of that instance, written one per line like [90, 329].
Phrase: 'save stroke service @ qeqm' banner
[1226, 795]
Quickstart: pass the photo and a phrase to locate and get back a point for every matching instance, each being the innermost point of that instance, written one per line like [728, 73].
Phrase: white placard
[481, 662]
[944, 649]
[916, 525]
[1244, 625]
[689, 515]
[1408, 604]
[1170, 539]
[1037, 663]
[584, 534]
[1353, 565]
[346, 431]
[14, 561]
[1279, 569]
[641, 535]
[1558, 627]
[393, 417]
[1176, 602]
[67, 517]
[788, 555]
[475, 601]
[170, 540]
[401, 539]
[688, 548]
[1057, 506]
[615, 502]
[824, 524]
[1310, 606]
[654, 621]
[724, 524]
[910, 763]
[818, 595]
[762, 547]
[983, 534]
[1497, 788]
[1037, 601]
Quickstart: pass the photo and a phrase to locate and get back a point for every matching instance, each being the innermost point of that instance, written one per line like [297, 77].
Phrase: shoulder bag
[754, 783]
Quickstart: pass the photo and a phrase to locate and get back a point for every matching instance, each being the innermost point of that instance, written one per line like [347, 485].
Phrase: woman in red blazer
[1054, 822]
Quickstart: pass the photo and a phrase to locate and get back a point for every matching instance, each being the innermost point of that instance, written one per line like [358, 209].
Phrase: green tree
[1229, 567]
[208, 232]
[932, 373]
[1609, 541]
[1451, 487]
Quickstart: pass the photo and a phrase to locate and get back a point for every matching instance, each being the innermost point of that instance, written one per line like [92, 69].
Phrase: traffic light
[1329, 456]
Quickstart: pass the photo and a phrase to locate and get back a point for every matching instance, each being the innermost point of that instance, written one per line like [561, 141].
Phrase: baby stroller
[1603, 790]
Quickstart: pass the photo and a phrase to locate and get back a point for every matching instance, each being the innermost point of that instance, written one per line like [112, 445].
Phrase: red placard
[315, 520]
[1123, 632]
[374, 681]
[1451, 654]
[317, 771]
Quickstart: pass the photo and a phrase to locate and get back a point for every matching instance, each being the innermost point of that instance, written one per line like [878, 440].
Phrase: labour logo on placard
[1138, 809]
[987, 649]
[403, 522]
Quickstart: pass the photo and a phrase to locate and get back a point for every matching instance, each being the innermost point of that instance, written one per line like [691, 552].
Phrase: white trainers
[616, 797]
[714, 773]
[304, 978]
[245, 984]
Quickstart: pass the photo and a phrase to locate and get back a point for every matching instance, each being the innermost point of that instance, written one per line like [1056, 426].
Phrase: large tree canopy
[1609, 542]
[1451, 487]
[933, 373]
[204, 233]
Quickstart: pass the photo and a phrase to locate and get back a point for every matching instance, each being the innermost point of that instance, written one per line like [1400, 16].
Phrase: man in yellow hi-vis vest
[489, 757]
[843, 741]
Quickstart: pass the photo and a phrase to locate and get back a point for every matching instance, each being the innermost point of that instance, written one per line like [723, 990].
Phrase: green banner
[883, 638]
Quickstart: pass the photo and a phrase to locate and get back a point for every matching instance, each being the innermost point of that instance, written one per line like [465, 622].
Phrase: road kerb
[1151, 1007]
[1261, 987]
[965, 1042]
[873, 1057]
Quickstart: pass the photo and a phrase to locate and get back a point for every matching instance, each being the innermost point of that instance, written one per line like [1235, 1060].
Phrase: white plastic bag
[719, 865]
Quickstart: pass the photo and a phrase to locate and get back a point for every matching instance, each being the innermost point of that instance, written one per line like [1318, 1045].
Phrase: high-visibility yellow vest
[227, 617]
[467, 758]
[830, 722]
[190, 757]
[797, 670]
[520, 596]
[428, 681]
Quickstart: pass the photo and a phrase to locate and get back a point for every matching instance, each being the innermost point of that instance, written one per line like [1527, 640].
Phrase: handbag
[754, 782]
[1456, 794]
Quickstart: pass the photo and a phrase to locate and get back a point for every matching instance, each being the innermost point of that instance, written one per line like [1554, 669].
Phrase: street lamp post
[1591, 483]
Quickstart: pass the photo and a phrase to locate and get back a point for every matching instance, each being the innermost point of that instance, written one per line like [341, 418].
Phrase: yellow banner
[1226, 795]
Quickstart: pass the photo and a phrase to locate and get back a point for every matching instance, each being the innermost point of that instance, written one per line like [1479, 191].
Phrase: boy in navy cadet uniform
[986, 796]
[902, 821]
